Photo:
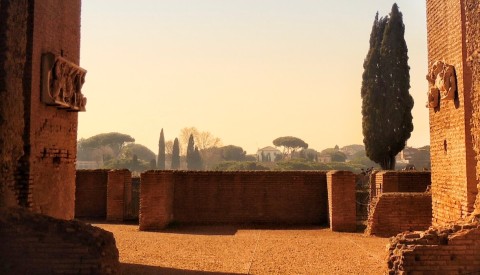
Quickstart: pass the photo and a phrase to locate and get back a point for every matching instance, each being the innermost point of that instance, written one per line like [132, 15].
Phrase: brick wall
[341, 200]
[397, 212]
[13, 68]
[37, 244]
[156, 200]
[453, 164]
[232, 197]
[472, 12]
[91, 194]
[37, 142]
[119, 189]
[404, 181]
[439, 250]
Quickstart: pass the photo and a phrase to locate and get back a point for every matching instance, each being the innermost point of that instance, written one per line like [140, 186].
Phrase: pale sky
[248, 71]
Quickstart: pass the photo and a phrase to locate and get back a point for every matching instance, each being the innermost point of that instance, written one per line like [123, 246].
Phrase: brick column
[341, 200]
[117, 186]
[156, 199]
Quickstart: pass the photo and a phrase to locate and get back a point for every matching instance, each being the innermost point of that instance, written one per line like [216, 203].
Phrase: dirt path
[236, 250]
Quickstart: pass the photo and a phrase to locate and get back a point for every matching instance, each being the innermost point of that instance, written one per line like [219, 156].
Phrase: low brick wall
[397, 212]
[439, 250]
[402, 181]
[91, 194]
[232, 197]
[37, 244]
[119, 194]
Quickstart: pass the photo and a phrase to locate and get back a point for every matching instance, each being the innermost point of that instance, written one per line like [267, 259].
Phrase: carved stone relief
[442, 83]
[62, 83]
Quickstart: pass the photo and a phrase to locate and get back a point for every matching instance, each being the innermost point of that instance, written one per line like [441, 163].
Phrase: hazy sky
[248, 71]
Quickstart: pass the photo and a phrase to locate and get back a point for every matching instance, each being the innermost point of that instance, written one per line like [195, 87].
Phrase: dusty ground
[254, 250]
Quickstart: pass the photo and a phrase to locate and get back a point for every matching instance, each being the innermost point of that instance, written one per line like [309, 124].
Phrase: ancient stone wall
[37, 244]
[404, 181]
[14, 68]
[233, 197]
[91, 194]
[397, 212]
[453, 167]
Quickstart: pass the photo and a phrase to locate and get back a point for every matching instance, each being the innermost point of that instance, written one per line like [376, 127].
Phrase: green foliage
[194, 160]
[114, 140]
[175, 155]
[386, 102]
[233, 153]
[161, 152]
[335, 154]
[240, 166]
[139, 150]
[300, 164]
[134, 164]
[308, 154]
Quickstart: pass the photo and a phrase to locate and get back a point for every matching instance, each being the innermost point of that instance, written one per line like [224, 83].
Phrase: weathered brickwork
[37, 142]
[394, 213]
[452, 245]
[156, 200]
[37, 244]
[472, 11]
[405, 181]
[438, 250]
[91, 194]
[341, 201]
[13, 70]
[119, 190]
[233, 197]
[453, 169]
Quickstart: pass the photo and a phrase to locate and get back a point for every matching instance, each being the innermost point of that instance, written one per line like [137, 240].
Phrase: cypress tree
[197, 160]
[175, 155]
[161, 152]
[190, 153]
[386, 102]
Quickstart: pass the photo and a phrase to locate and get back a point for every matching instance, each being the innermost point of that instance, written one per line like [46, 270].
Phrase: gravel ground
[247, 250]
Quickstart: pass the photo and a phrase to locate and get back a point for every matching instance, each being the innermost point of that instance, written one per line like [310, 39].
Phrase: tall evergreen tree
[386, 102]
[197, 160]
[161, 152]
[190, 153]
[175, 155]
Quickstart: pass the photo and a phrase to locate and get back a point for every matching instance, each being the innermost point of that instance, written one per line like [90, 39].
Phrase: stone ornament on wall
[442, 83]
[62, 83]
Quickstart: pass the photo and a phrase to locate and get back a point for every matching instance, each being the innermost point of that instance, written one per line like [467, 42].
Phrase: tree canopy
[386, 101]
[290, 144]
[105, 144]
[232, 152]
[141, 151]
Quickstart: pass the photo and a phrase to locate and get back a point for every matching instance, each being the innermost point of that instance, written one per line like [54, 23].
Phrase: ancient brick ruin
[38, 140]
[452, 245]
[40, 95]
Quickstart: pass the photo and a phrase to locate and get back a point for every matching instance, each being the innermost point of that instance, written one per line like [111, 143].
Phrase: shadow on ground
[230, 230]
[134, 269]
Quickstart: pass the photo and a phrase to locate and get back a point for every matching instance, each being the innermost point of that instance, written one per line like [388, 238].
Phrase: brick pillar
[373, 185]
[117, 186]
[341, 200]
[156, 199]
